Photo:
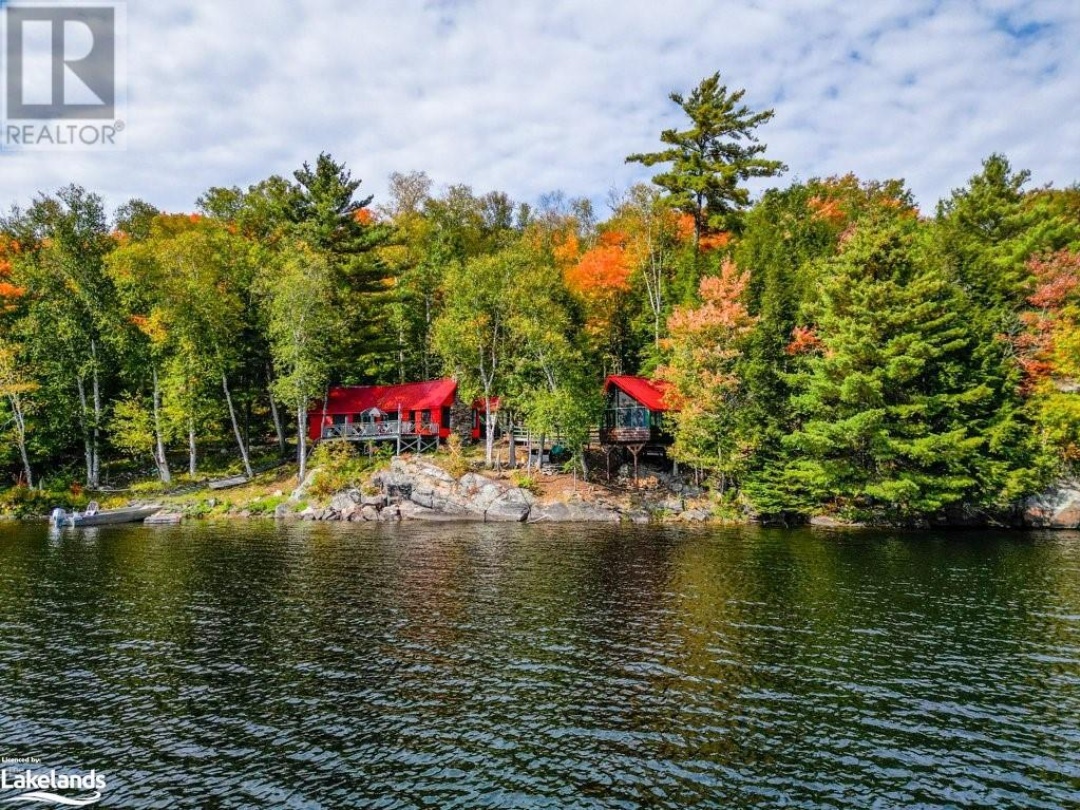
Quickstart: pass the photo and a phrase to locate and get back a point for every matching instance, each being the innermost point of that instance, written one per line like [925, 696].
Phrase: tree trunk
[236, 427]
[325, 411]
[20, 435]
[96, 448]
[193, 459]
[511, 459]
[88, 445]
[279, 426]
[301, 442]
[159, 440]
[489, 431]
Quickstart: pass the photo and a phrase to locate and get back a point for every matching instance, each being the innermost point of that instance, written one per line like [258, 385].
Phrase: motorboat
[95, 516]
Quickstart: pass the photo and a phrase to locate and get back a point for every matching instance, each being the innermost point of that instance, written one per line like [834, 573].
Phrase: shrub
[456, 464]
[338, 466]
[524, 481]
[25, 502]
[266, 506]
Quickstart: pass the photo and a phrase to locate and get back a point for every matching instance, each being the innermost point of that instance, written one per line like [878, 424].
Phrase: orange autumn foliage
[721, 310]
[601, 271]
[684, 227]
[704, 340]
[9, 290]
[714, 241]
[365, 216]
[1052, 322]
[566, 249]
[827, 210]
[804, 340]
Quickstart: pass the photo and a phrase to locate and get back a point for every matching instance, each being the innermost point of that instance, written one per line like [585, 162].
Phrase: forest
[829, 344]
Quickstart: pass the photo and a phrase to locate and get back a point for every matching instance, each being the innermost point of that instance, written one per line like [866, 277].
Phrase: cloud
[530, 97]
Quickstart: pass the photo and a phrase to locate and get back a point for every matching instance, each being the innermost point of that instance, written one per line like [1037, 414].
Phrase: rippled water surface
[251, 665]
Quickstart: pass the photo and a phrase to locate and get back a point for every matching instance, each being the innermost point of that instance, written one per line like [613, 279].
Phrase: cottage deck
[418, 437]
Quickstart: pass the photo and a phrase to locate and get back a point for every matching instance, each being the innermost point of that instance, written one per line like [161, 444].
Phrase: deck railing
[377, 430]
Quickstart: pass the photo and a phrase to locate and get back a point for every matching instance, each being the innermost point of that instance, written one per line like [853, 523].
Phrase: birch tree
[301, 319]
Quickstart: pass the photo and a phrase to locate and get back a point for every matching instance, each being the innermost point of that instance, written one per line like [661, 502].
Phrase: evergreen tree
[893, 414]
[709, 162]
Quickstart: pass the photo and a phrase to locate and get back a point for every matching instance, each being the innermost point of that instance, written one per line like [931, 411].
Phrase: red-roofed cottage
[634, 412]
[418, 414]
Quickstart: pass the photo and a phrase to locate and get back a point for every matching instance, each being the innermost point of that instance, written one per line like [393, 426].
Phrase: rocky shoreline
[414, 489]
[418, 490]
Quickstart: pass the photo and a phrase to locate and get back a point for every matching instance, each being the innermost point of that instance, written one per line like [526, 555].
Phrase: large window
[626, 412]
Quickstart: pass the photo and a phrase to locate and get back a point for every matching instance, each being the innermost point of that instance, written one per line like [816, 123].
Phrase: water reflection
[340, 666]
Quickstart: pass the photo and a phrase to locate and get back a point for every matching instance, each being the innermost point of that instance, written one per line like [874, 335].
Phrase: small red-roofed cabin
[480, 416]
[415, 415]
[634, 412]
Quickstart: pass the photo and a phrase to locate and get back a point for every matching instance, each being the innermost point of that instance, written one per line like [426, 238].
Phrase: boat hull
[111, 516]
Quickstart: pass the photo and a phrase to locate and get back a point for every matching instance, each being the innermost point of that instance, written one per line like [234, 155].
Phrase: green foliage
[339, 467]
[892, 414]
[131, 428]
[831, 348]
[267, 505]
[456, 464]
[709, 161]
[24, 502]
[523, 481]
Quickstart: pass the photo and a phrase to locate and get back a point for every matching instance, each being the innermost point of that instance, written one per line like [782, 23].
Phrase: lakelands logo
[49, 787]
[63, 75]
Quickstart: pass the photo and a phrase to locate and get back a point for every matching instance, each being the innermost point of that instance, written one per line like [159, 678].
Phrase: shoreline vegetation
[345, 486]
[831, 352]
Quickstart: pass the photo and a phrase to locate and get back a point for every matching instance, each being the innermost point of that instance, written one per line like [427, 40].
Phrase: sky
[532, 97]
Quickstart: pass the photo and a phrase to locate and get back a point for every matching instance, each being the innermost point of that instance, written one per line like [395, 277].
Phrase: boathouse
[413, 416]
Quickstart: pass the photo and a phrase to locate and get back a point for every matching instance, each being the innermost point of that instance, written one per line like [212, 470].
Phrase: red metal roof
[420, 396]
[650, 393]
[478, 404]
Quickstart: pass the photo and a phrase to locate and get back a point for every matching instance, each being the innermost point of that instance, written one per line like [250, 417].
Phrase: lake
[248, 664]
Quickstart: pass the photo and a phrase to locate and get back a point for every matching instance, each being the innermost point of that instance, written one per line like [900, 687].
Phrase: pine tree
[709, 161]
[893, 413]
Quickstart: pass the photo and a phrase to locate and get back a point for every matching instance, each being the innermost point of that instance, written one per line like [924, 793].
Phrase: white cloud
[528, 97]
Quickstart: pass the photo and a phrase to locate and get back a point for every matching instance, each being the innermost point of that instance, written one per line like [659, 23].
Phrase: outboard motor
[58, 518]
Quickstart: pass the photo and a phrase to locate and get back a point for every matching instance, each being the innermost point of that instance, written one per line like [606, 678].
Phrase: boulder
[672, 505]
[511, 506]
[378, 501]
[1056, 508]
[573, 512]
[301, 492]
[369, 512]
[413, 511]
[828, 522]
[282, 511]
[344, 501]
[694, 516]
